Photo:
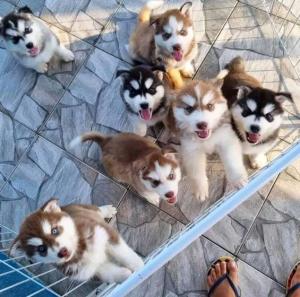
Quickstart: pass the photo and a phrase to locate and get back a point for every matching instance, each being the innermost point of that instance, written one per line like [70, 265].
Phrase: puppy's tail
[236, 65]
[145, 13]
[93, 136]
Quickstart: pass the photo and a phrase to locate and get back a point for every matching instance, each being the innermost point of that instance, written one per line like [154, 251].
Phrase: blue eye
[54, 231]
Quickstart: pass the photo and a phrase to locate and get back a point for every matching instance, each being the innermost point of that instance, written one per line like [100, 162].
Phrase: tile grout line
[217, 36]
[37, 133]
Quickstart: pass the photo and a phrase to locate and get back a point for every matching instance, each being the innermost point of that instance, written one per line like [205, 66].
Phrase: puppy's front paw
[136, 264]
[238, 183]
[257, 162]
[188, 71]
[200, 191]
[42, 68]
[68, 56]
[108, 211]
[123, 275]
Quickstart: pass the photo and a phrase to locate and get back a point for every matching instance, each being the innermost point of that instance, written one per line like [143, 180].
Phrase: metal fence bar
[211, 216]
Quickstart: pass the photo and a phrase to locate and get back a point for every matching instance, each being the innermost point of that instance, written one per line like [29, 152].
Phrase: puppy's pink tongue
[172, 200]
[202, 133]
[177, 55]
[146, 114]
[34, 51]
[253, 137]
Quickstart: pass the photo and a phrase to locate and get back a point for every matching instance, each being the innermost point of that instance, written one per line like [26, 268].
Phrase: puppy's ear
[25, 9]
[186, 8]
[16, 249]
[242, 92]
[51, 206]
[154, 21]
[159, 71]
[121, 72]
[283, 96]
[169, 153]
[219, 79]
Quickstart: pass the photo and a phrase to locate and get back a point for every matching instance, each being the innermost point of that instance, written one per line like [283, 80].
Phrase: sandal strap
[236, 290]
[293, 289]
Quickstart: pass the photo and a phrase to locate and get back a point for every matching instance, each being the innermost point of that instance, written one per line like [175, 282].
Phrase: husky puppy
[78, 241]
[200, 117]
[166, 39]
[139, 162]
[257, 113]
[30, 41]
[143, 92]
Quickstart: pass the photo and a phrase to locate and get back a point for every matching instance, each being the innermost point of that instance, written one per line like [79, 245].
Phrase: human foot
[293, 280]
[218, 284]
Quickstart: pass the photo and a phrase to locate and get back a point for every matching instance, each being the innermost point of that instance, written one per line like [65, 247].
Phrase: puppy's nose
[202, 125]
[29, 45]
[170, 194]
[254, 128]
[144, 105]
[177, 47]
[63, 253]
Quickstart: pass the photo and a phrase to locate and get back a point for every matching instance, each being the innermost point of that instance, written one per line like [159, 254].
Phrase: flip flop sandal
[236, 290]
[290, 291]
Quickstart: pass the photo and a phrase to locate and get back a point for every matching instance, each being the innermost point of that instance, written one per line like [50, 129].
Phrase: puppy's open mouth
[253, 137]
[34, 51]
[177, 55]
[172, 200]
[203, 133]
[146, 114]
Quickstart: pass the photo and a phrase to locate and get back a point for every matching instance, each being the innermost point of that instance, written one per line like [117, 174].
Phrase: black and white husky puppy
[257, 112]
[30, 40]
[144, 93]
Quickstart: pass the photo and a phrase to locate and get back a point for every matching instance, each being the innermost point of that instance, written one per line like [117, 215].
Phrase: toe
[209, 281]
[218, 269]
[223, 265]
[233, 271]
[296, 277]
[213, 275]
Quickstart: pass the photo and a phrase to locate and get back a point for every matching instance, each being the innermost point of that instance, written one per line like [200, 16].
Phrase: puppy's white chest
[94, 255]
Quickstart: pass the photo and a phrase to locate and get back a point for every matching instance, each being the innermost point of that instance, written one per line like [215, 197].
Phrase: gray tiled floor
[40, 116]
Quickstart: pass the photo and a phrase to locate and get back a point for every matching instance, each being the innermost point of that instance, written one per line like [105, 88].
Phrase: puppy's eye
[42, 249]
[189, 109]
[15, 39]
[269, 117]
[152, 90]
[171, 176]
[27, 31]
[166, 36]
[155, 183]
[55, 231]
[210, 107]
[183, 32]
[245, 113]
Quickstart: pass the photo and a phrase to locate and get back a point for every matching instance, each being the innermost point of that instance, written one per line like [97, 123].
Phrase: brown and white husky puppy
[257, 113]
[199, 115]
[137, 161]
[167, 39]
[78, 241]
